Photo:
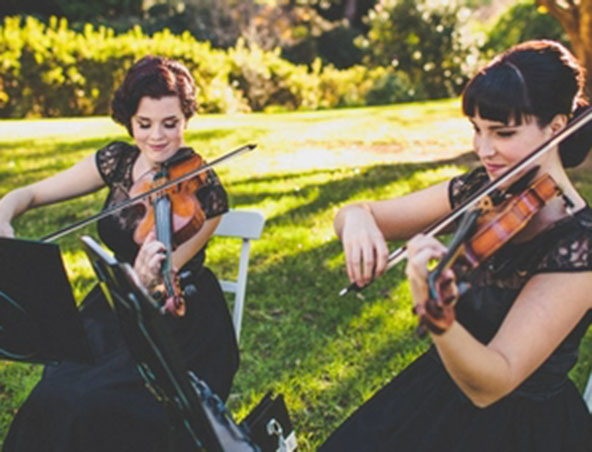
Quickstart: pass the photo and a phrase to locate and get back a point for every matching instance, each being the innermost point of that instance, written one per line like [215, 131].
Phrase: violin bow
[109, 211]
[401, 253]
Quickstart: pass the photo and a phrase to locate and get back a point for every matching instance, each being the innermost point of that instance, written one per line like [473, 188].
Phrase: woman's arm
[545, 312]
[78, 180]
[363, 228]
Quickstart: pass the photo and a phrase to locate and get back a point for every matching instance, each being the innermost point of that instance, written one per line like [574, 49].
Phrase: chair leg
[588, 393]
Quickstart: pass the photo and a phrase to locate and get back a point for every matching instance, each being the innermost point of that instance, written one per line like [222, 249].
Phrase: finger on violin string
[149, 248]
[421, 241]
[155, 262]
[421, 261]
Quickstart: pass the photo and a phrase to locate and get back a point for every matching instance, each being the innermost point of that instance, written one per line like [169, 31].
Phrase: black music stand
[189, 402]
[39, 320]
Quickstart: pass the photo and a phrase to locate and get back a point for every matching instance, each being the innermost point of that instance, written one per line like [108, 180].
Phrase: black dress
[422, 409]
[106, 406]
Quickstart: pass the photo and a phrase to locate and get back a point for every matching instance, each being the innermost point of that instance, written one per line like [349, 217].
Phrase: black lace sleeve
[462, 187]
[212, 196]
[112, 161]
[570, 247]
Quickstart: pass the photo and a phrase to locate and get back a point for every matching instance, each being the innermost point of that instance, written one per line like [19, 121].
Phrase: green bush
[348, 88]
[51, 70]
[520, 23]
[265, 79]
[421, 38]
[392, 87]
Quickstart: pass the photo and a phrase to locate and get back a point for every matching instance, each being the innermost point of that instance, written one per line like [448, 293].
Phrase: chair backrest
[588, 393]
[246, 225]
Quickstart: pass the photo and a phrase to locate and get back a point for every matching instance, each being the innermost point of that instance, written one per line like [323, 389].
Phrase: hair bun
[574, 149]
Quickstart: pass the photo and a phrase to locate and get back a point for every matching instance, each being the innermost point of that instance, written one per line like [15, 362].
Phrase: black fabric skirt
[106, 406]
[422, 410]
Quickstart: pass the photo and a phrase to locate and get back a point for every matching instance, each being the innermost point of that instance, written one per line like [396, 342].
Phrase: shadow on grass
[57, 149]
[50, 147]
[297, 325]
[337, 191]
[297, 287]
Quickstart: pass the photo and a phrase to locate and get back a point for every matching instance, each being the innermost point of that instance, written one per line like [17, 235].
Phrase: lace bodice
[115, 163]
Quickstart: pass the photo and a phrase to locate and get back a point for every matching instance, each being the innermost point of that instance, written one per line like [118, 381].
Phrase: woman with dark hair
[496, 376]
[106, 406]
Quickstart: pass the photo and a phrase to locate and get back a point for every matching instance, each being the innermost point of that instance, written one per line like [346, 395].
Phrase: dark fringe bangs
[499, 94]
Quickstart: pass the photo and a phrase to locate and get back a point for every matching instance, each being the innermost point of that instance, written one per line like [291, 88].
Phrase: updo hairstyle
[155, 77]
[536, 78]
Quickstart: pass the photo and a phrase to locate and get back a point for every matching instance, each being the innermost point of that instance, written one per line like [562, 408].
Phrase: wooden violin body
[176, 216]
[481, 233]
[186, 213]
[497, 226]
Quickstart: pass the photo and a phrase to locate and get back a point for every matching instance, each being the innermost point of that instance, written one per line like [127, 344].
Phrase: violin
[481, 233]
[109, 211]
[175, 214]
[171, 208]
[490, 189]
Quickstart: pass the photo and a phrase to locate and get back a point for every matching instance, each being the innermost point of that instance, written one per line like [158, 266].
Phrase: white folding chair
[588, 393]
[246, 225]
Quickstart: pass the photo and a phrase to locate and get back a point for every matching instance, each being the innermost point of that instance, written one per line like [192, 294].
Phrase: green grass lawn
[325, 353]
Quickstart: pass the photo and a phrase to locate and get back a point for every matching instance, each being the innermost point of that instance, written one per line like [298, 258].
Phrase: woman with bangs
[496, 376]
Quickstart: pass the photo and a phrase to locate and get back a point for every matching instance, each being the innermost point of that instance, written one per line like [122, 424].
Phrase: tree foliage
[52, 70]
[74, 10]
[520, 23]
[421, 38]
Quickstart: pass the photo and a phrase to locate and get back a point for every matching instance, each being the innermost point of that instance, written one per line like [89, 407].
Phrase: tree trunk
[576, 20]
